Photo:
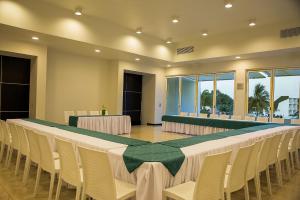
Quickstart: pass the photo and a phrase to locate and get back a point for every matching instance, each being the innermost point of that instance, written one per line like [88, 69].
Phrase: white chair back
[98, 179]
[262, 119]
[95, 112]
[295, 121]
[278, 120]
[183, 114]
[69, 171]
[249, 118]
[34, 150]
[15, 143]
[294, 141]
[283, 151]
[236, 117]
[224, 116]
[237, 174]
[67, 114]
[193, 114]
[46, 154]
[6, 133]
[210, 181]
[81, 113]
[264, 154]
[274, 149]
[24, 145]
[253, 160]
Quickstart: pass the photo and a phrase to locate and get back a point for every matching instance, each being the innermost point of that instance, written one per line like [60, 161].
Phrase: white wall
[75, 82]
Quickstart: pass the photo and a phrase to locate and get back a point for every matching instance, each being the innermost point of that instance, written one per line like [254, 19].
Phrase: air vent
[290, 32]
[185, 50]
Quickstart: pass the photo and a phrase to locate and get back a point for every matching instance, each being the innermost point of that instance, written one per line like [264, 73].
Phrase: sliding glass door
[188, 94]
[286, 93]
[259, 90]
[206, 93]
[225, 93]
[172, 101]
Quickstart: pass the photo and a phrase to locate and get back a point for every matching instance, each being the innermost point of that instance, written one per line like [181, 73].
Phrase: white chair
[252, 171]
[262, 162]
[213, 116]
[209, 184]
[98, 178]
[293, 150]
[15, 142]
[184, 114]
[236, 117]
[193, 114]
[262, 119]
[81, 113]
[249, 118]
[295, 121]
[283, 154]
[24, 147]
[7, 141]
[67, 115]
[272, 157]
[278, 120]
[235, 179]
[202, 115]
[95, 112]
[69, 168]
[47, 163]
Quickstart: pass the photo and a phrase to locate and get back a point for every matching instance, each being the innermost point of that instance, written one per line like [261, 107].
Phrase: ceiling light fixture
[97, 50]
[137, 59]
[168, 65]
[139, 30]
[204, 33]
[228, 4]
[237, 57]
[252, 22]
[35, 38]
[169, 41]
[175, 20]
[78, 11]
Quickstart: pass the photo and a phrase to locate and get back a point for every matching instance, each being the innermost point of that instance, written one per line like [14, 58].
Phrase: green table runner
[95, 134]
[218, 123]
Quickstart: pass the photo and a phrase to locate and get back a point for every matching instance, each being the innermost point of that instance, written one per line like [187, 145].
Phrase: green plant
[260, 101]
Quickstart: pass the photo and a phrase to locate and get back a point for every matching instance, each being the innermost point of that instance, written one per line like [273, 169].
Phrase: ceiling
[195, 16]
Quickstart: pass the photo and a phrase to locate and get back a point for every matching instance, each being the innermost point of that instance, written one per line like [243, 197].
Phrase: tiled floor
[11, 186]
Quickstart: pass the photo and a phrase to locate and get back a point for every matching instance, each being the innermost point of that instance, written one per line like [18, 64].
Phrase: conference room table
[111, 124]
[151, 174]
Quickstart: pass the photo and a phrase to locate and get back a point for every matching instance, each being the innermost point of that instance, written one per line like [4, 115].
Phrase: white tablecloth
[152, 177]
[189, 129]
[115, 125]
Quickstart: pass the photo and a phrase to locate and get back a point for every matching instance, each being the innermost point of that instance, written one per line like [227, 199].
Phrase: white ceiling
[195, 15]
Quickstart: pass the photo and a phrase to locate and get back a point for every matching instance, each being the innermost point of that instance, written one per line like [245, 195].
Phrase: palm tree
[260, 101]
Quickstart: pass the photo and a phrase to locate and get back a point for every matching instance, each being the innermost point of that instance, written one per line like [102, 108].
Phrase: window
[188, 93]
[286, 93]
[225, 93]
[205, 93]
[172, 96]
[259, 91]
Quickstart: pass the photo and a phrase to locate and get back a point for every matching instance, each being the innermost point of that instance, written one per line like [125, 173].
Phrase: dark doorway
[14, 87]
[132, 97]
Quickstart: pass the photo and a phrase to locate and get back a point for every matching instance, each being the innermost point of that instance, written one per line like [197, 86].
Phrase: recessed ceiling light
[97, 50]
[204, 34]
[237, 57]
[35, 38]
[169, 41]
[168, 65]
[175, 20]
[228, 4]
[139, 30]
[78, 11]
[252, 22]
[137, 59]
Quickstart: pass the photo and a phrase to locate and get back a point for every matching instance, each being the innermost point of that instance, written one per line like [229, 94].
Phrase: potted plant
[103, 110]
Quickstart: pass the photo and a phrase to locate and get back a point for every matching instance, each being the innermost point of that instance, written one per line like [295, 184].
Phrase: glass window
[259, 84]
[172, 96]
[286, 93]
[225, 93]
[205, 93]
[188, 94]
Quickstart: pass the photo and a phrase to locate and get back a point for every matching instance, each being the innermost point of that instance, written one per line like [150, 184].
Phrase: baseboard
[151, 124]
